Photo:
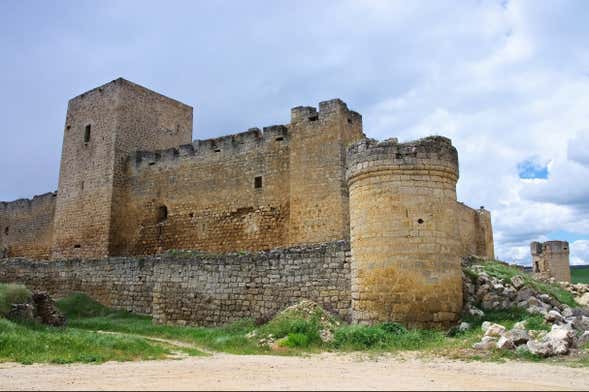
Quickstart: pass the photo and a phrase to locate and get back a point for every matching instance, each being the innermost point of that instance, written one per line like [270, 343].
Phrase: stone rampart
[198, 288]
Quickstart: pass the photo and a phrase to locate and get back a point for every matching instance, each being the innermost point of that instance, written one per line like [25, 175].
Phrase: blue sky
[508, 81]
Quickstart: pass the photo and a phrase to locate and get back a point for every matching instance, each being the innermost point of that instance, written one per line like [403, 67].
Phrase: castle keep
[370, 230]
[550, 259]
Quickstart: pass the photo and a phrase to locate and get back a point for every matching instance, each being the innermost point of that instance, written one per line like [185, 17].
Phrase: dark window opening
[218, 150]
[313, 118]
[162, 214]
[258, 182]
[87, 134]
[6, 230]
[420, 221]
[191, 215]
[82, 185]
[151, 163]
[77, 246]
[68, 127]
[279, 139]
[349, 121]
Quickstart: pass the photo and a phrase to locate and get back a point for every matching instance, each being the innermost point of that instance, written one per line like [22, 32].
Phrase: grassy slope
[580, 275]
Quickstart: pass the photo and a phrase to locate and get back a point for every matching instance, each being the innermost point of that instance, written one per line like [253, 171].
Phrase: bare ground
[316, 372]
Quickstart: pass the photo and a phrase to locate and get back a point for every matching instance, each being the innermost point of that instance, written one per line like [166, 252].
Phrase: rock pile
[579, 290]
[41, 308]
[569, 326]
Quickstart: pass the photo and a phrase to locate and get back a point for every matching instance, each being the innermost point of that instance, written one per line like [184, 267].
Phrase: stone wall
[201, 289]
[26, 227]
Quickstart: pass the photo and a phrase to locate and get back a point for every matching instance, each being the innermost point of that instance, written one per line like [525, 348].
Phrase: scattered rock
[554, 317]
[22, 312]
[542, 349]
[583, 300]
[517, 281]
[583, 339]
[520, 325]
[464, 326]
[495, 330]
[486, 343]
[505, 343]
[518, 336]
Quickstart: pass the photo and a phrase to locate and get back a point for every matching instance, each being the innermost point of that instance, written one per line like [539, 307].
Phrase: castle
[132, 182]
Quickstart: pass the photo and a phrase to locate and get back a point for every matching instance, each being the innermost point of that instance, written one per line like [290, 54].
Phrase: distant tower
[404, 232]
[551, 260]
[102, 127]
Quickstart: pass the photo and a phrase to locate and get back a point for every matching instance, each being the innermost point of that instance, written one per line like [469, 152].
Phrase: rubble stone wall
[200, 289]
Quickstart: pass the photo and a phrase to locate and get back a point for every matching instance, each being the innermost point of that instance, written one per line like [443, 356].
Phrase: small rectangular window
[258, 182]
[87, 134]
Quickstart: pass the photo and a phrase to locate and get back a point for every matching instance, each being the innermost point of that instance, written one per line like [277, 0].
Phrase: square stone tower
[551, 260]
[102, 127]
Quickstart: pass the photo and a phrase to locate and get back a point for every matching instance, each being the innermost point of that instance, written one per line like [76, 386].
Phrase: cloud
[579, 252]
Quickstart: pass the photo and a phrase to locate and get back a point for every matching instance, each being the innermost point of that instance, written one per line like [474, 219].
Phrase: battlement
[538, 248]
[433, 152]
[19, 204]
[238, 143]
[327, 110]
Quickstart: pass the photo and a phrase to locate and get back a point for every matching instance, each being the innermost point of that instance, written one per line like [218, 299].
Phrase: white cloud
[579, 252]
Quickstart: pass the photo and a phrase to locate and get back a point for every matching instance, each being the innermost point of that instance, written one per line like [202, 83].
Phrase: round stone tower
[404, 236]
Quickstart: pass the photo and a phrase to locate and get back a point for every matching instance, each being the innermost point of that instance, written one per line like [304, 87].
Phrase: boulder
[486, 343]
[524, 294]
[583, 300]
[517, 336]
[505, 343]
[520, 325]
[543, 349]
[464, 326]
[495, 330]
[583, 339]
[517, 281]
[554, 317]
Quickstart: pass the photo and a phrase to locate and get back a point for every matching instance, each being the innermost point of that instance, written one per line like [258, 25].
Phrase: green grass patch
[31, 343]
[505, 273]
[12, 294]
[580, 275]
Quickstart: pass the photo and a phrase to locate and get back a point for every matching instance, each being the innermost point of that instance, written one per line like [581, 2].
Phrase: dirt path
[318, 372]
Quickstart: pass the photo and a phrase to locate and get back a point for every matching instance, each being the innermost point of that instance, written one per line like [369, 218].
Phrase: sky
[507, 81]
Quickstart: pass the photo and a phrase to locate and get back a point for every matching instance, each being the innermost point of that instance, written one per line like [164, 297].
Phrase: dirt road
[317, 372]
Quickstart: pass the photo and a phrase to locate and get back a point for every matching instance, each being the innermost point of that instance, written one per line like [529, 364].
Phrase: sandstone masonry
[550, 259]
[133, 183]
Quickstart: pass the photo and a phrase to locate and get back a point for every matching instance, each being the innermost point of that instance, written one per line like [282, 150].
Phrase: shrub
[12, 294]
[296, 340]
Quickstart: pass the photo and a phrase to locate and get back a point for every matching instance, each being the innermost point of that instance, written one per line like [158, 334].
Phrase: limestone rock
[583, 339]
[21, 312]
[464, 326]
[518, 336]
[583, 300]
[486, 343]
[542, 349]
[495, 330]
[554, 317]
[505, 343]
[517, 281]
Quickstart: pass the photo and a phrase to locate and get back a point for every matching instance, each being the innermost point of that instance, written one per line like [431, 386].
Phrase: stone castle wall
[26, 227]
[202, 289]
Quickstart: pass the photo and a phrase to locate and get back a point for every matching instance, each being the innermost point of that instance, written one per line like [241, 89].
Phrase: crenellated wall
[27, 227]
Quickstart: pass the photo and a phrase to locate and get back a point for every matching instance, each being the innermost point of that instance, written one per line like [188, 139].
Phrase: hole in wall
[68, 127]
[349, 121]
[151, 163]
[77, 246]
[191, 215]
[420, 221]
[6, 230]
[279, 139]
[87, 132]
[258, 182]
[162, 214]
[313, 118]
[218, 150]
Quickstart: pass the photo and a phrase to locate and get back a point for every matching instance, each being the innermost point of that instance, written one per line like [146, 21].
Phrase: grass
[30, 343]
[505, 273]
[580, 275]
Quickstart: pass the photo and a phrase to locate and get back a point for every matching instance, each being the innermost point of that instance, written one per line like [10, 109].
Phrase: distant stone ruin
[551, 260]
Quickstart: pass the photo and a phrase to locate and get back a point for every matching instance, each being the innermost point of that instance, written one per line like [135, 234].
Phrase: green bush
[296, 340]
[12, 294]
[361, 337]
